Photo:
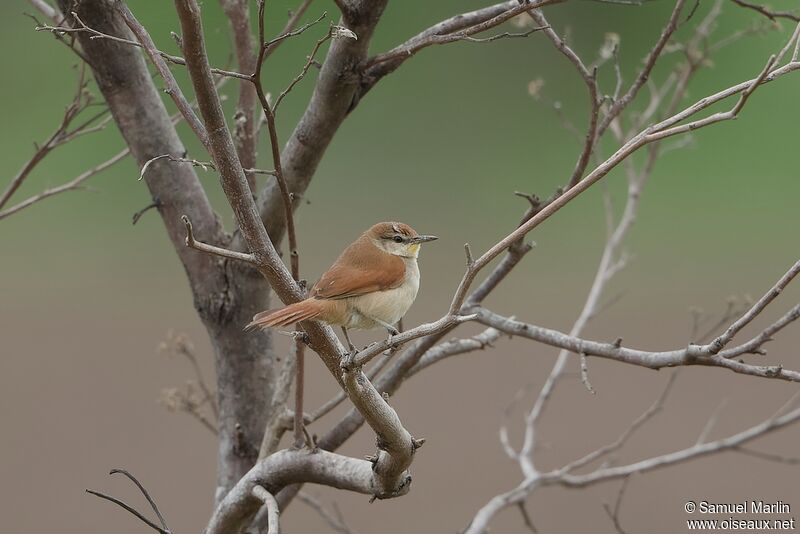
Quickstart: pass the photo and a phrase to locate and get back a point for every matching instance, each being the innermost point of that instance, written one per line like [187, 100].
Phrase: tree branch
[162, 529]
[562, 477]
[767, 12]
[60, 136]
[457, 28]
[172, 87]
[246, 133]
[722, 340]
[691, 355]
[292, 467]
[273, 513]
[73, 184]
[650, 62]
[589, 78]
[335, 95]
[96, 34]
[211, 249]
[395, 446]
[223, 294]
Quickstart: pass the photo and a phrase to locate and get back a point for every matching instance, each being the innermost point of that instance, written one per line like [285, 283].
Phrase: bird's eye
[398, 239]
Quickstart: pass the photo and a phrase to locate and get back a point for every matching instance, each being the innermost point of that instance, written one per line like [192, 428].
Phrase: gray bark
[225, 295]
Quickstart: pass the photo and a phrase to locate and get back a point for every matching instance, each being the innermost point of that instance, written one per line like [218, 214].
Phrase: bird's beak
[423, 238]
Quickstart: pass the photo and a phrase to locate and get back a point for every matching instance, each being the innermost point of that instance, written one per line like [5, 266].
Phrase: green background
[440, 144]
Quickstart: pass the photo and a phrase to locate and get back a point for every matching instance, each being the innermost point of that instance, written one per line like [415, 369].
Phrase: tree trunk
[226, 296]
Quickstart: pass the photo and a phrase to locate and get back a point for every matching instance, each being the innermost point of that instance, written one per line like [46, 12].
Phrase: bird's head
[398, 238]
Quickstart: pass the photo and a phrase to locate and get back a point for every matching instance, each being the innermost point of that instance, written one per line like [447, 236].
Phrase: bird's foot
[393, 346]
[346, 363]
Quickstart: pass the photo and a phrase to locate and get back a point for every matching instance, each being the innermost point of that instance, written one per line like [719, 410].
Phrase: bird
[371, 285]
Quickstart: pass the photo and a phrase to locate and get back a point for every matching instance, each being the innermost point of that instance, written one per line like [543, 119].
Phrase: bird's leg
[350, 345]
[347, 360]
[391, 329]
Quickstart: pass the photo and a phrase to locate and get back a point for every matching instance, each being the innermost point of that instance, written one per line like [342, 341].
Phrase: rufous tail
[293, 313]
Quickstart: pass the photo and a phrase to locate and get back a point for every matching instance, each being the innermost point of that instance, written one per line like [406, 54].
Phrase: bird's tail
[293, 313]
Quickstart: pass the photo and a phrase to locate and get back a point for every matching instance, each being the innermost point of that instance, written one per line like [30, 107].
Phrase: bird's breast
[391, 305]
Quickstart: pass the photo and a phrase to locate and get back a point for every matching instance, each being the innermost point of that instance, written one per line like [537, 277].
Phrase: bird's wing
[375, 270]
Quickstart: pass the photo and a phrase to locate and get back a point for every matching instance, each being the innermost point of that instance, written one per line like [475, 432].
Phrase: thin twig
[205, 165]
[614, 514]
[767, 12]
[191, 242]
[269, 113]
[72, 185]
[289, 30]
[172, 87]
[644, 74]
[99, 35]
[304, 71]
[273, 513]
[162, 529]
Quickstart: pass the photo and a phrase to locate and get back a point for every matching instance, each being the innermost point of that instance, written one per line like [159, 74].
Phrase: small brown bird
[372, 284]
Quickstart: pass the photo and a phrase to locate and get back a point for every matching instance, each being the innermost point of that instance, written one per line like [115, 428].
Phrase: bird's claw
[346, 362]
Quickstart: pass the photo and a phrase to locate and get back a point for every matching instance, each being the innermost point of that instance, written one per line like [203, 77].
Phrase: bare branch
[560, 477]
[767, 12]
[269, 113]
[163, 529]
[74, 184]
[172, 87]
[95, 34]
[526, 518]
[712, 421]
[309, 61]
[245, 46]
[654, 409]
[458, 28]
[60, 136]
[614, 514]
[585, 374]
[260, 171]
[702, 449]
[589, 78]
[692, 355]
[768, 456]
[145, 493]
[180, 345]
[388, 477]
[395, 444]
[292, 467]
[394, 375]
[280, 418]
[205, 165]
[273, 513]
[341, 395]
[650, 62]
[649, 135]
[191, 242]
[289, 30]
[455, 347]
[437, 327]
[721, 341]
[184, 400]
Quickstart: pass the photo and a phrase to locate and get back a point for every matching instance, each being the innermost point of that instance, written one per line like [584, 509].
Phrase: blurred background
[442, 144]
